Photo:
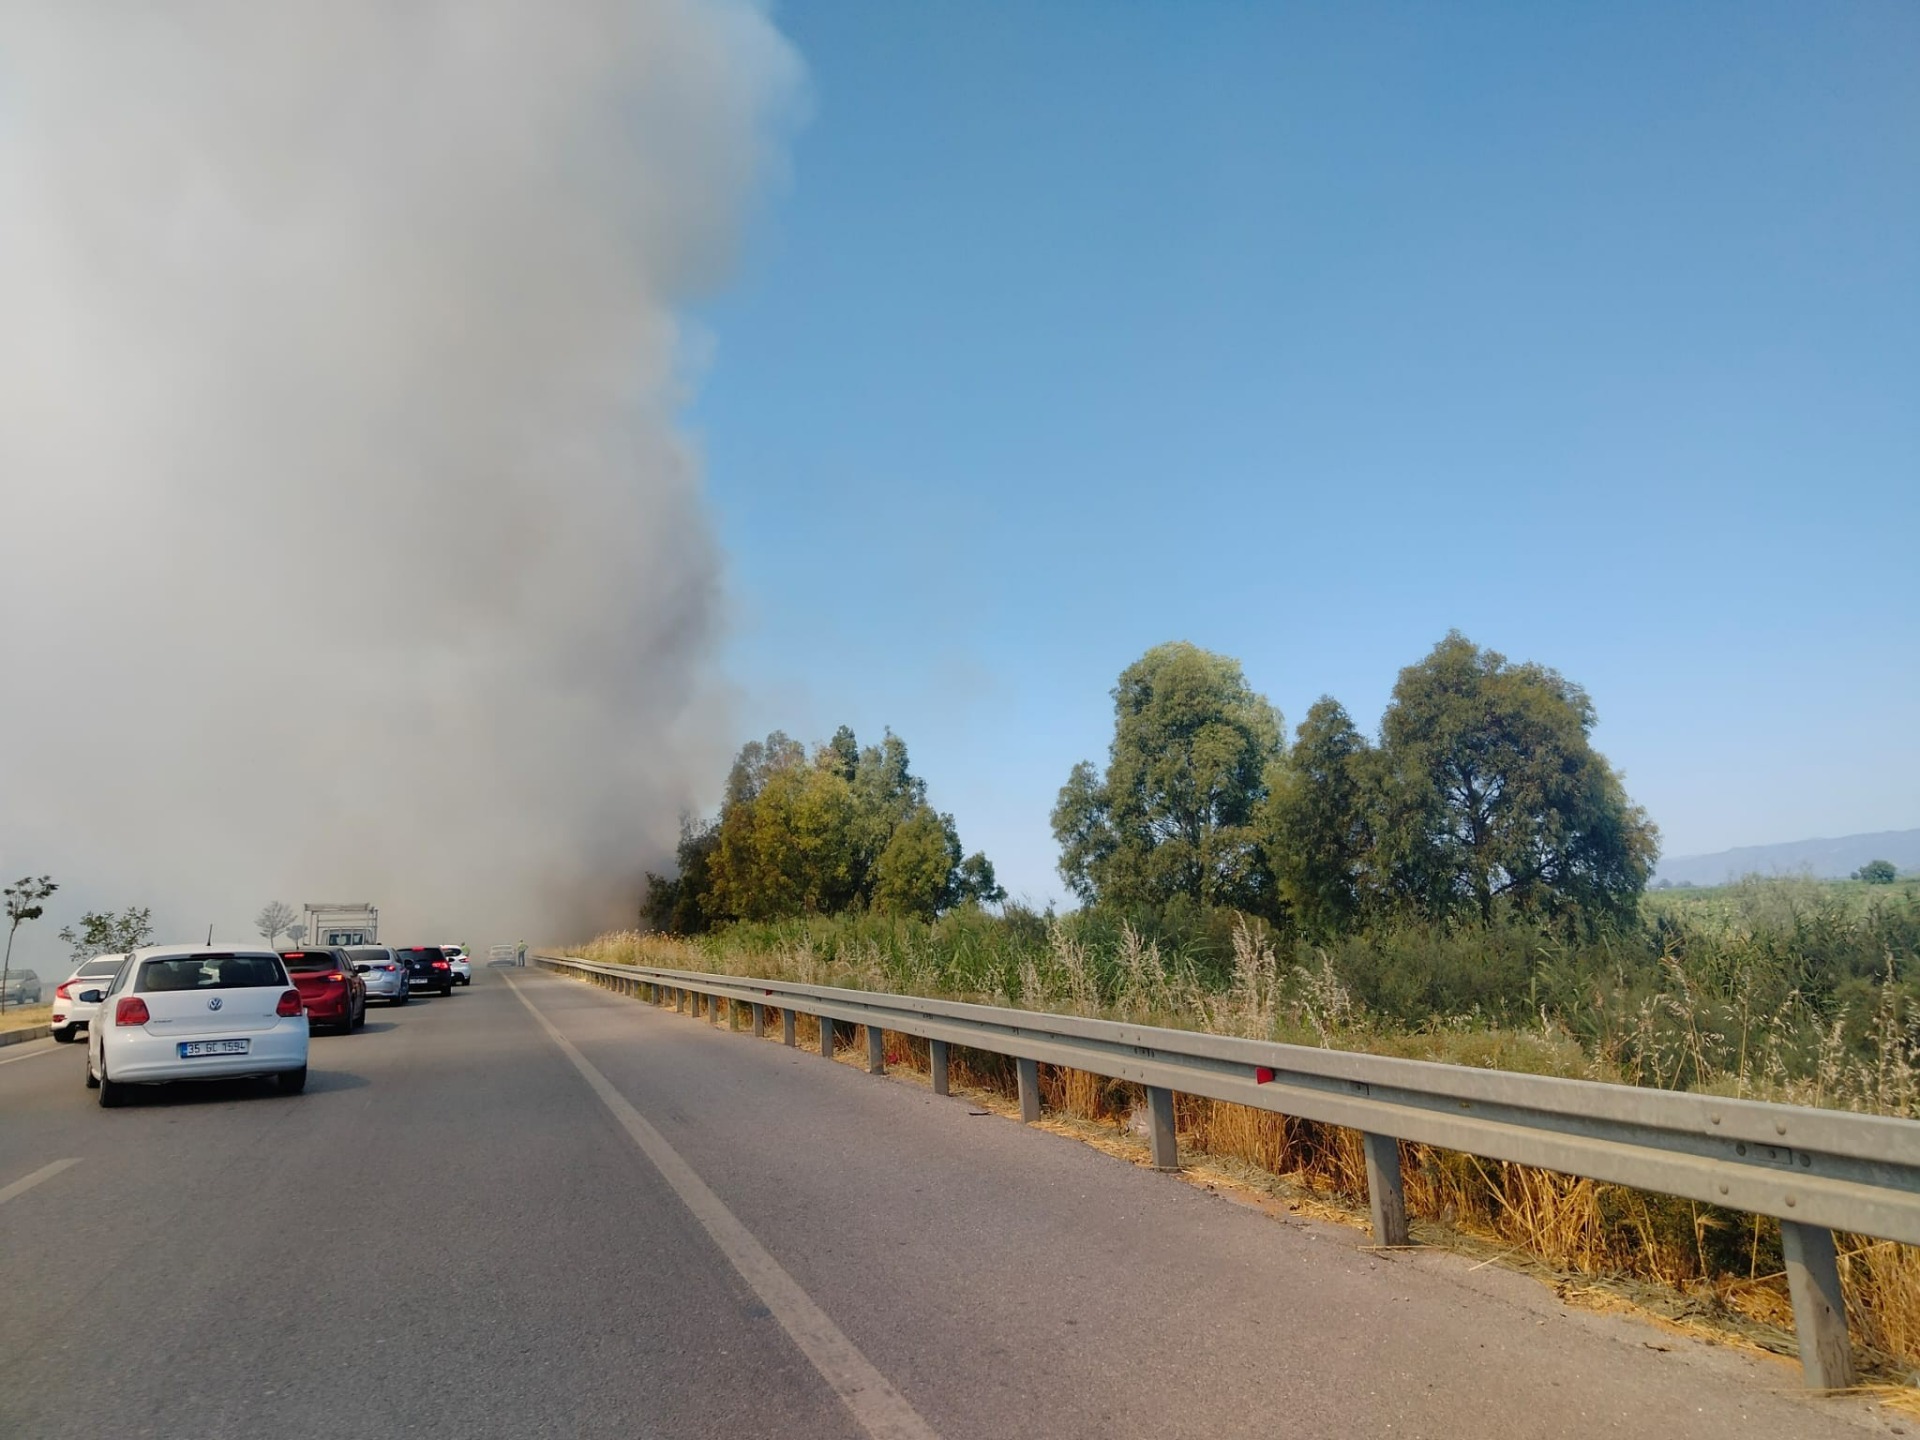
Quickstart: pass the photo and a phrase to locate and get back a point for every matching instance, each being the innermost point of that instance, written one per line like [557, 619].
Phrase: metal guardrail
[1816, 1171]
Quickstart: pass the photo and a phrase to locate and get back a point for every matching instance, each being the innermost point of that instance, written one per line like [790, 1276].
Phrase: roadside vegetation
[1470, 887]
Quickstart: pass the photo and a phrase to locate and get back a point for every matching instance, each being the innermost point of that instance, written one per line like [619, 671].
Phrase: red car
[330, 989]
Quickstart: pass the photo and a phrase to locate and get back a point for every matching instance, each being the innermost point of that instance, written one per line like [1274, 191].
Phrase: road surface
[538, 1209]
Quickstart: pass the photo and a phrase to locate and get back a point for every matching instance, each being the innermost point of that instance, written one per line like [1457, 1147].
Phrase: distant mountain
[1823, 859]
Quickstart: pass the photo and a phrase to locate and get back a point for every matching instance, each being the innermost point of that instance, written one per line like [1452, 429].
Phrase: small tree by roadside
[274, 918]
[108, 934]
[1877, 872]
[297, 933]
[24, 899]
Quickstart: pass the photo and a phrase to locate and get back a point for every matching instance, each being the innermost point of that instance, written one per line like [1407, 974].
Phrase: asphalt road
[536, 1209]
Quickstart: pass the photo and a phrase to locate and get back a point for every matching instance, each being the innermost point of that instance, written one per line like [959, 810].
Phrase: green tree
[975, 883]
[1316, 823]
[914, 874]
[846, 828]
[23, 903]
[1174, 814]
[1877, 872]
[105, 933]
[1492, 794]
[791, 850]
[682, 904]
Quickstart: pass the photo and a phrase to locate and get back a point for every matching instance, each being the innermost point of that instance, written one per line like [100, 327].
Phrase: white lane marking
[15, 1060]
[881, 1410]
[27, 1182]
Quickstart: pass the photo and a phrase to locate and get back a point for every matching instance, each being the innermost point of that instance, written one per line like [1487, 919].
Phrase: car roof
[97, 959]
[169, 952]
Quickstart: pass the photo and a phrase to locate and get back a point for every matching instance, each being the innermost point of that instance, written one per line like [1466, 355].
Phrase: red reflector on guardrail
[1262, 1075]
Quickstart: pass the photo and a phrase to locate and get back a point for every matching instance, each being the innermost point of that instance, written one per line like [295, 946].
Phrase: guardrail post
[787, 1037]
[876, 1050]
[1386, 1189]
[759, 1020]
[937, 1054]
[1161, 1136]
[1819, 1309]
[1029, 1071]
[714, 1002]
[679, 1000]
[826, 1037]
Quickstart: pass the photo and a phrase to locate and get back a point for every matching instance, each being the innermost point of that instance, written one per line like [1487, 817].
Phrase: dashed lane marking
[15, 1060]
[27, 1182]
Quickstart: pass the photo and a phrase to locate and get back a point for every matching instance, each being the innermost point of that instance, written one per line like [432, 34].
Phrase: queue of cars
[210, 1012]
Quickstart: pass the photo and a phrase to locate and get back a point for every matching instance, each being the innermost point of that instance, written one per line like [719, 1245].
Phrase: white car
[386, 978]
[196, 1012]
[71, 1014]
[462, 966]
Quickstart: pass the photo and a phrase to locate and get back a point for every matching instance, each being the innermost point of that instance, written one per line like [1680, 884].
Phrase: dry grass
[1717, 1268]
[25, 1017]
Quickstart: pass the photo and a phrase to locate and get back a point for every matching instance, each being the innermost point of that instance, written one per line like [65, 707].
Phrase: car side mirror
[91, 997]
[361, 969]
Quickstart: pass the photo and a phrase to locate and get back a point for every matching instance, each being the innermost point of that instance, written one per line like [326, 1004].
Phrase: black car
[428, 966]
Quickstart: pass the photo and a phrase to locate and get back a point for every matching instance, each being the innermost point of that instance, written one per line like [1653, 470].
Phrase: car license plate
[213, 1047]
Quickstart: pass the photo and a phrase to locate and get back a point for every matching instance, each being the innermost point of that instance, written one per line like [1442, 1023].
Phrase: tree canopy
[1483, 793]
[1491, 793]
[1174, 813]
[843, 828]
[1317, 824]
[105, 933]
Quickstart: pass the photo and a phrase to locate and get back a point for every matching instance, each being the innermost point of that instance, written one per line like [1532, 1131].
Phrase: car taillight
[389, 968]
[289, 1005]
[131, 1010]
[439, 964]
[336, 977]
[64, 990]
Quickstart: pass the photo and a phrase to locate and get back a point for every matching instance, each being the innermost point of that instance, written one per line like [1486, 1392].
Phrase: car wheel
[292, 1082]
[447, 989]
[402, 998]
[112, 1093]
[361, 1018]
[64, 1034]
[93, 1080]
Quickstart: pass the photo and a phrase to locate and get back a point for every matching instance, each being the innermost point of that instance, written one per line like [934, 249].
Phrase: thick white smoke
[348, 548]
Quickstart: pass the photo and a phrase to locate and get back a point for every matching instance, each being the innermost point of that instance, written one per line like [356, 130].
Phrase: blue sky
[1306, 333]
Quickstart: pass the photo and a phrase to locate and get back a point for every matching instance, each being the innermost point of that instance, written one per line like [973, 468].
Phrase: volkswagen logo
[214, 1003]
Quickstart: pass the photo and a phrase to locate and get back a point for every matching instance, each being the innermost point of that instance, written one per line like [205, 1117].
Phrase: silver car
[385, 973]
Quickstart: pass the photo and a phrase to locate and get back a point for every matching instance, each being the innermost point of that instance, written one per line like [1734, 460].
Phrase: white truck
[345, 923]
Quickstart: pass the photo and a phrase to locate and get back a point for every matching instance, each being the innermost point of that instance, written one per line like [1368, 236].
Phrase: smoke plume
[348, 547]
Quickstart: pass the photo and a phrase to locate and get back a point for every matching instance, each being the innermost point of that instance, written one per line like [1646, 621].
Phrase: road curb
[21, 1037]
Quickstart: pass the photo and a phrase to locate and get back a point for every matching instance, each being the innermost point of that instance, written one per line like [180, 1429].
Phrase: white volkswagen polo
[196, 1012]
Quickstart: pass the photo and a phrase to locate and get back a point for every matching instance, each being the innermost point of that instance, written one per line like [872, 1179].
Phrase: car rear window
[210, 972]
[303, 962]
[99, 969]
[422, 952]
[371, 955]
